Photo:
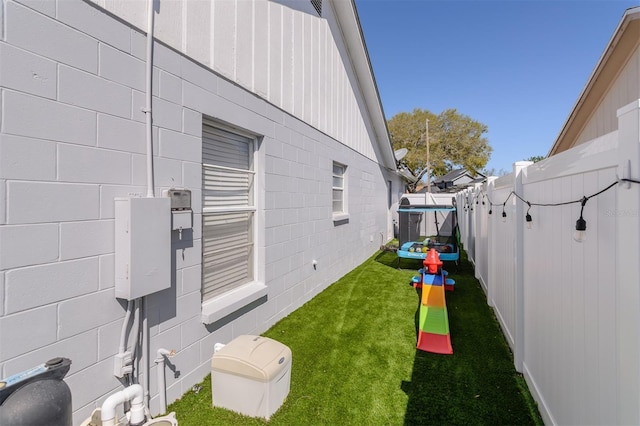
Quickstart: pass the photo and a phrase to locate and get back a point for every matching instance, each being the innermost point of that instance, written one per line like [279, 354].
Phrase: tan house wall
[624, 90]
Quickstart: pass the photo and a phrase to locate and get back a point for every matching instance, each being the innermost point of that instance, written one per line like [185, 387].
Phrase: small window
[317, 5]
[339, 206]
[389, 193]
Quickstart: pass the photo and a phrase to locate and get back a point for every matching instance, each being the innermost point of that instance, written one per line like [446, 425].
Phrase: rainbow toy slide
[433, 333]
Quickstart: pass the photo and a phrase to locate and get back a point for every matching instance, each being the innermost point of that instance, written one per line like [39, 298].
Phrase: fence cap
[426, 208]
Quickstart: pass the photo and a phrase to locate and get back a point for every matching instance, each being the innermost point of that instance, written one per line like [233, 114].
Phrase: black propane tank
[38, 396]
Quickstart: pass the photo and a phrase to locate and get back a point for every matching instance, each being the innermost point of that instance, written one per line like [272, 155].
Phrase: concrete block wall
[72, 139]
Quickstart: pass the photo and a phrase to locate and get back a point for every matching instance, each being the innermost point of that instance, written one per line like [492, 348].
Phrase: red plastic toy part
[432, 262]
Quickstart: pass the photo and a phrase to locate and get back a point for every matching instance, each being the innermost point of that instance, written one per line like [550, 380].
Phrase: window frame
[343, 214]
[219, 305]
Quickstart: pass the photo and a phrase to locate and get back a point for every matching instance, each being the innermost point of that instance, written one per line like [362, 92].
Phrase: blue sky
[517, 66]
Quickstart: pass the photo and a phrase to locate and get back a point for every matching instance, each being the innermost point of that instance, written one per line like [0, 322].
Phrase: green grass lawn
[355, 360]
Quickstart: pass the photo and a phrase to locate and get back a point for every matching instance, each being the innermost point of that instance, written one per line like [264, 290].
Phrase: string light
[581, 224]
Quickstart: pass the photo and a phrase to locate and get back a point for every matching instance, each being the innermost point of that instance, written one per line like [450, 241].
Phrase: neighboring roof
[425, 189]
[454, 175]
[347, 16]
[622, 44]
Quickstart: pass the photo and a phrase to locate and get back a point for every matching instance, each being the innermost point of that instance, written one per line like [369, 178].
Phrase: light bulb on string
[580, 233]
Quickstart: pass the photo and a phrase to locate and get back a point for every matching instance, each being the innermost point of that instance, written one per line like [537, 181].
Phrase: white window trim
[225, 304]
[339, 217]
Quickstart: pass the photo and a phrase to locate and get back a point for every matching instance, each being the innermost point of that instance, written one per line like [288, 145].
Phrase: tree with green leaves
[536, 158]
[455, 140]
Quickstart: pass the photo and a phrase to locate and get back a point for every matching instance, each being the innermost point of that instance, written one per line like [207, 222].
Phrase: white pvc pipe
[149, 96]
[123, 330]
[145, 352]
[134, 347]
[162, 386]
[132, 393]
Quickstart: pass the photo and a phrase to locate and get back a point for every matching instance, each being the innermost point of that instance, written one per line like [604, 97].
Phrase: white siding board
[134, 12]
[224, 37]
[308, 69]
[293, 59]
[322, 75]
[244, 52]
[197, 30]
[275, 54]
[287, 60]
[261, 49]
[315, 72]
[168, 24]
[298, 41]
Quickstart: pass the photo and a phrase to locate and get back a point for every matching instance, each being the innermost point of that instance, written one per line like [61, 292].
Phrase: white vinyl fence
[570, 310]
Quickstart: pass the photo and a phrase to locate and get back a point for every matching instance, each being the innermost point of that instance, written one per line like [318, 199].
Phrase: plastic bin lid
[254, 357]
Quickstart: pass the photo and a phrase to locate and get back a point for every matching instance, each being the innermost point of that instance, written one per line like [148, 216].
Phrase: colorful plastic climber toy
[433, 333]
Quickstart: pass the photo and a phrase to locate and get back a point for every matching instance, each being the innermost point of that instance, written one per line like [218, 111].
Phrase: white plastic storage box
[251, 375]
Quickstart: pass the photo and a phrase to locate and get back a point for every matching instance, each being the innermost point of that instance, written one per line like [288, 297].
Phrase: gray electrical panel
[142, 246]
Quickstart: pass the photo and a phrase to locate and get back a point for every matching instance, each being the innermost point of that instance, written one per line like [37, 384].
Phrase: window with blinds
[228, 210]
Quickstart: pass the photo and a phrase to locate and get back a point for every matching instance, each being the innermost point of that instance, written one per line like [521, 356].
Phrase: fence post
[520, 208]
[491, 243]
[477, 229]
[627, 274]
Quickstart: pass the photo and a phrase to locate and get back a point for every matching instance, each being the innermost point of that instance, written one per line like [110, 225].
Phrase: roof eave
[349, 22]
